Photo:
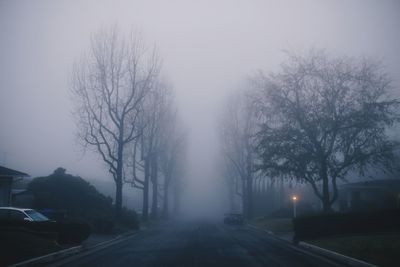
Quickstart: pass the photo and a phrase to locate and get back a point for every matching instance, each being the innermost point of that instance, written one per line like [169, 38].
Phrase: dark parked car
[17, 214]
[29, 220]
[234, 218]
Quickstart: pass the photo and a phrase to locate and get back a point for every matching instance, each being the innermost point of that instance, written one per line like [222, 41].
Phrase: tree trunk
[326, 204]
[118, 180]
[118, 198]
[176, 195]
[231, 195]
[249, 180]
[272, 193]
[145, 209]
[250, 206]
[166, 201]
[281, 194]
[335, 191]
[244, 199]
[154, 181]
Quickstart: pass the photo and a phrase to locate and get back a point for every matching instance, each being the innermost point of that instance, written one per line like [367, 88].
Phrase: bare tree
[139, 163]
[144, 159]
[172, 157]
[109, 84]
[238, 129]
[324, 117]
[233, 182]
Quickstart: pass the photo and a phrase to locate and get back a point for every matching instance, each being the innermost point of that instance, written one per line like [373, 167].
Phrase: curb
[343, 259]
[349, 261]
[267, 231]
[270, 233]
[55, 256]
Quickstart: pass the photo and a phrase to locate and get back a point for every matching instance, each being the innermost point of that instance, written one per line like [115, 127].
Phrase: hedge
[333, 224]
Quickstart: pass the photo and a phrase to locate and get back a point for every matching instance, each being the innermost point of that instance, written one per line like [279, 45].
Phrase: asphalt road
[200, 244]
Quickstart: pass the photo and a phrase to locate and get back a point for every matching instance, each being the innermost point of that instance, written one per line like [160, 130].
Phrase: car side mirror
[26, 219]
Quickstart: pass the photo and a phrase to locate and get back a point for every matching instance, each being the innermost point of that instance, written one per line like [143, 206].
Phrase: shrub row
[333, 224]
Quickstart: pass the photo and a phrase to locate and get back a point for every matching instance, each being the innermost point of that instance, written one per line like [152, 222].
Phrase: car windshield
[36, 216]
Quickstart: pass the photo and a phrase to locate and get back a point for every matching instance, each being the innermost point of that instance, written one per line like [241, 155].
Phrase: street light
[398, 201]
[294, 198]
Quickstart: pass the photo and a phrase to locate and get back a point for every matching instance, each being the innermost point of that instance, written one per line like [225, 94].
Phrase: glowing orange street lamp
[294, 198]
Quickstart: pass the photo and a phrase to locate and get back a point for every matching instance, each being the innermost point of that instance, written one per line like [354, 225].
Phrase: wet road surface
[200, 244]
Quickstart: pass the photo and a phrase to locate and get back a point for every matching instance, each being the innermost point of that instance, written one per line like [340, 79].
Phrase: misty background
[208, 48]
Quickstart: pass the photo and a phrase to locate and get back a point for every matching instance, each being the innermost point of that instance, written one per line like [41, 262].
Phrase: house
[7, 177]
[370, 195]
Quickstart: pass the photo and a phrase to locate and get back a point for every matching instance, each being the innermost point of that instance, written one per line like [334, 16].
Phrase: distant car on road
[234, 218]
[18, 214]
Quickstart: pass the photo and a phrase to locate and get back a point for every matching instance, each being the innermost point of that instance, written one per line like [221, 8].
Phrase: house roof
[379, 183]
[6, 172]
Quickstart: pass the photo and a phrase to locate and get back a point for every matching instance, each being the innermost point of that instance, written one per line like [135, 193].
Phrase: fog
[208, 49]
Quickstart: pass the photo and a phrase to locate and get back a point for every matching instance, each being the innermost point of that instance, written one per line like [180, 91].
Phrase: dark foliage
[334, 224]
[287, 211]
[324, 118]
[77, 198]
[73, 233]
[62, 191]
[129, 218]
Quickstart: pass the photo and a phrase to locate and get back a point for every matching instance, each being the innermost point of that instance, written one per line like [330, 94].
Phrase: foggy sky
[208, 48]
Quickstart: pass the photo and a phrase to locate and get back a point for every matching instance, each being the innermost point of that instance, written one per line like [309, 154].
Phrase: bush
[62, 191]
[333, 224]
[129, 219]
[102, 224]
[287, 212]
[67, 198]
[73, 233]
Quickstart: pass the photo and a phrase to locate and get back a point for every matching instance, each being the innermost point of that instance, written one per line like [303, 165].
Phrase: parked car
[58, 215]
[19, 219]
[18, 214]
[234, 218]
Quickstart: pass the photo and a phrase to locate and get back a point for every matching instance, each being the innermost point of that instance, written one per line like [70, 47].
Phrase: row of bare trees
[158, 150]
[239, 126]
[126, 113]
[317, 120]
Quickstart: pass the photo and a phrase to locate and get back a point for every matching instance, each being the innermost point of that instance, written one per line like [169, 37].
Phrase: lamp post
[294, 198]
[398, 201]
